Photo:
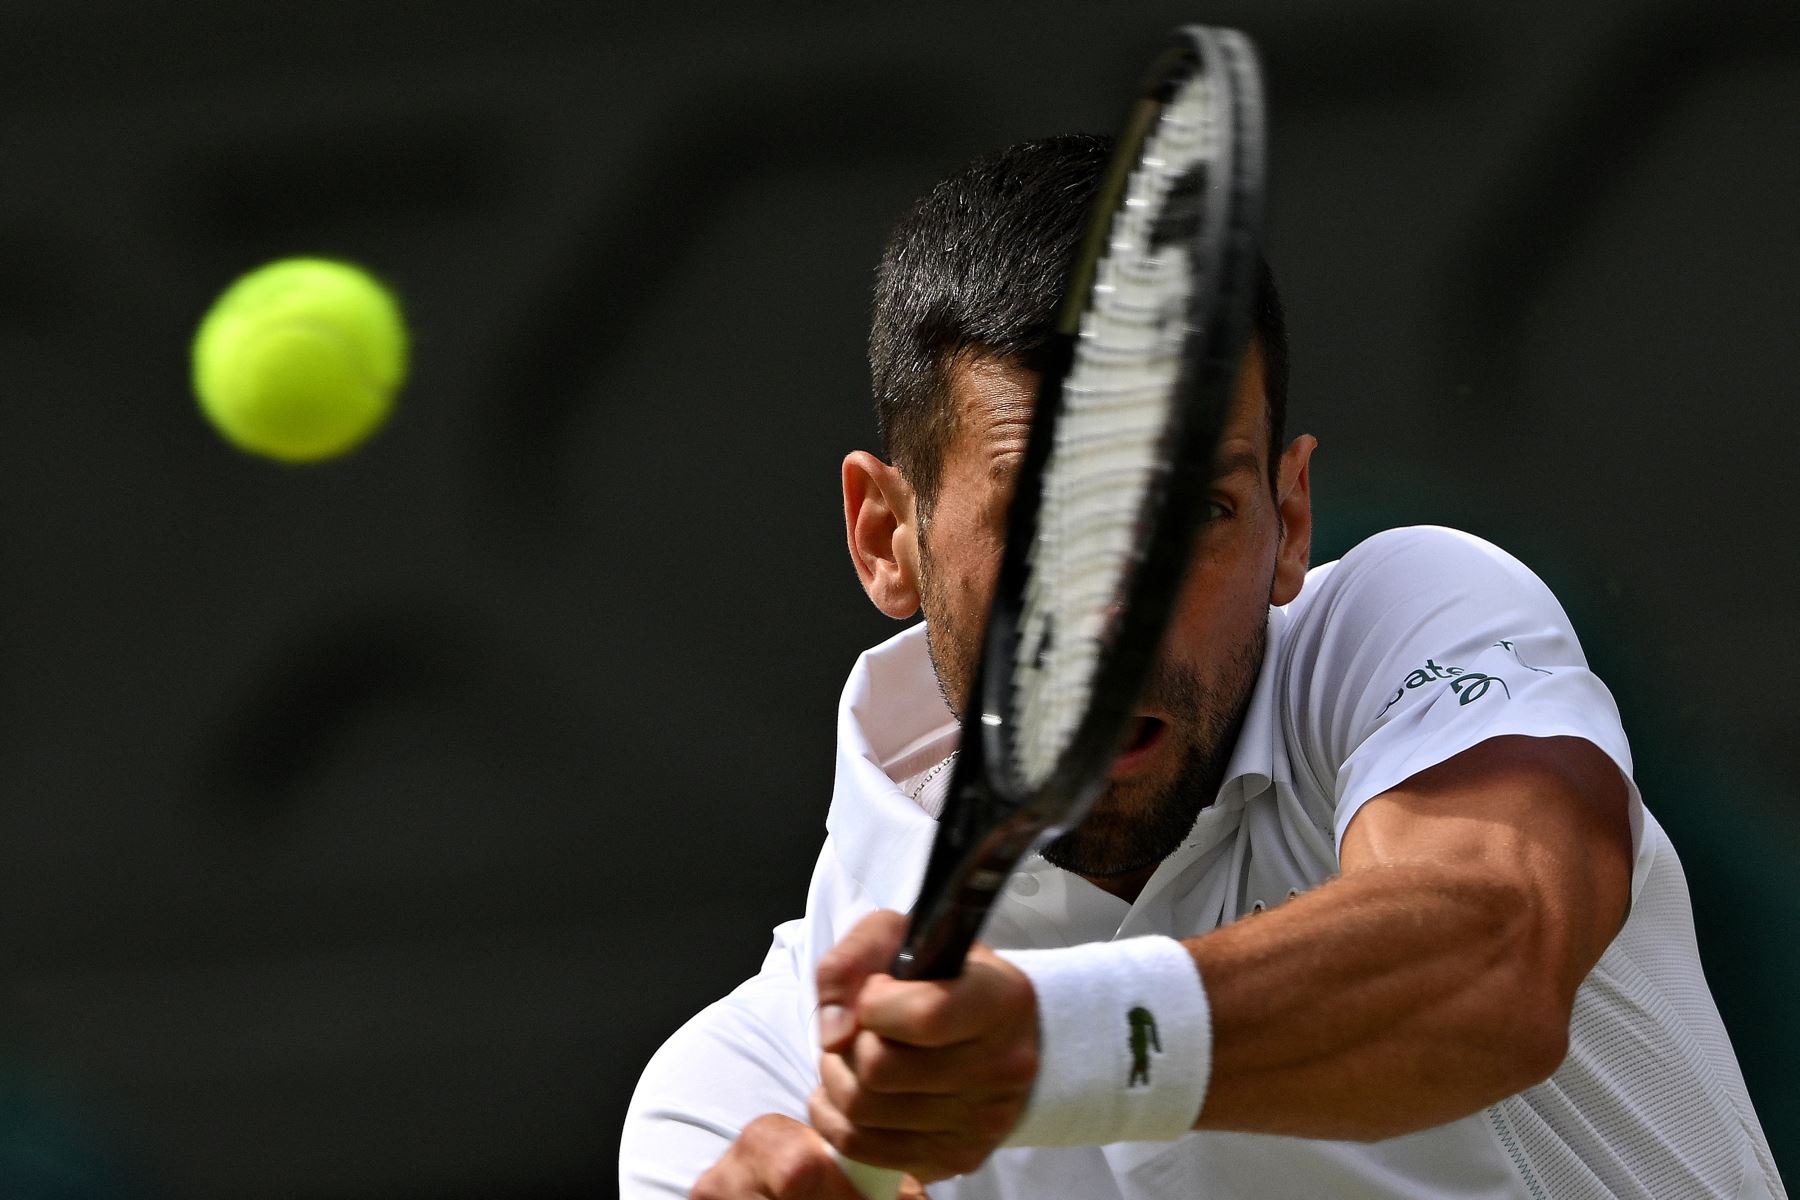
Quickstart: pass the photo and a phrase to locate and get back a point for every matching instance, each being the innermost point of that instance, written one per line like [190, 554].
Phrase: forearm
[1435, 976]
[1390, 1000]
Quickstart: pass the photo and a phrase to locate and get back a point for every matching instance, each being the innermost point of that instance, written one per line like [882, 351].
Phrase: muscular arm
[1437, 973]
[1434, 976]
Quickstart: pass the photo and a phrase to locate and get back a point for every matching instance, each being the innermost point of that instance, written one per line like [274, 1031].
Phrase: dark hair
[977, 265]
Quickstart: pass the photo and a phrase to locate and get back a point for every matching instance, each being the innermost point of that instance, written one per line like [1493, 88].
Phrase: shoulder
[1393, 582]
[1415, 558]
[753, 1052]
[762, 1023]
[737, 1059]
[1410, 606]
[1419, 644]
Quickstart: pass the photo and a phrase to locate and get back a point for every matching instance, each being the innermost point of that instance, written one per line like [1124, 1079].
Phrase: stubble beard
[1131, 826]
[954, 650]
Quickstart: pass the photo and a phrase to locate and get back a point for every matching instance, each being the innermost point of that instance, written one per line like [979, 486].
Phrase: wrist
[1124, 1043]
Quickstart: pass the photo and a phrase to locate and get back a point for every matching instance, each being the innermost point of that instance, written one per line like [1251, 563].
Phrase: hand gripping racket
[1113, 490]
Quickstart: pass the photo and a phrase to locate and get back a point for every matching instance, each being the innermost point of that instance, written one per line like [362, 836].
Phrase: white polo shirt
[1417, 645]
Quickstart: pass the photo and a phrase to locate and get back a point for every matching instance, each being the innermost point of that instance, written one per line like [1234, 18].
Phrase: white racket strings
[1119, 399]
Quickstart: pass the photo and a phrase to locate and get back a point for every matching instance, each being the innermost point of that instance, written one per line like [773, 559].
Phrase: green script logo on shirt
[1469, 686]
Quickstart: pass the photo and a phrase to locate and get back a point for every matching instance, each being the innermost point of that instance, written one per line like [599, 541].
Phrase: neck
[1126, 887]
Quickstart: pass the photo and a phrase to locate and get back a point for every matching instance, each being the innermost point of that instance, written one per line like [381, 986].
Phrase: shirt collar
[890, 720]
[1254, 764]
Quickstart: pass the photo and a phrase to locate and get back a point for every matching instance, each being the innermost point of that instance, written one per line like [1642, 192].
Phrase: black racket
[1113, 489]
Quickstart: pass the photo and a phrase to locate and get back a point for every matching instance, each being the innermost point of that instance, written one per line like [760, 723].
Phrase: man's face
[1207, 665]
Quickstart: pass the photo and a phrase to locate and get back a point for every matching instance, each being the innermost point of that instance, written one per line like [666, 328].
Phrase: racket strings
[1110, 448]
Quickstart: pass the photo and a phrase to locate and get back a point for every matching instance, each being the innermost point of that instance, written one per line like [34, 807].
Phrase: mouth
[1147, 733]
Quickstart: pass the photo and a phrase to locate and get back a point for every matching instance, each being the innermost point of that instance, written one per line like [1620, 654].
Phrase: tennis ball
[299, 360]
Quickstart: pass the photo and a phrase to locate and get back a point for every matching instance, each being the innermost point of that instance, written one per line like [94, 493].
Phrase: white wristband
[1124, 1043]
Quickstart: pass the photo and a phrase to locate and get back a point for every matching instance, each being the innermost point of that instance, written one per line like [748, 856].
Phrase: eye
[1217, 510]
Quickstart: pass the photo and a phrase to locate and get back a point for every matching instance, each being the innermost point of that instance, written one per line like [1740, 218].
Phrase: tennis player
[1371, 906]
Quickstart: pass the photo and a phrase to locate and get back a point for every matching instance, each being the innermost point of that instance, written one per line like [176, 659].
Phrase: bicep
[1547, 819]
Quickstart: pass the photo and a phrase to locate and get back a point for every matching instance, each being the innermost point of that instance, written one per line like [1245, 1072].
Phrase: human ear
[881, 526]
[1293, 506]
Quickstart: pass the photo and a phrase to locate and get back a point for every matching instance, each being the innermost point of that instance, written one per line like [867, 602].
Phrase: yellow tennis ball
[300, 359]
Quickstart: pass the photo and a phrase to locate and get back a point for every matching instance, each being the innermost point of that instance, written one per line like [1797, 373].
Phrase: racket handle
[875, 1183]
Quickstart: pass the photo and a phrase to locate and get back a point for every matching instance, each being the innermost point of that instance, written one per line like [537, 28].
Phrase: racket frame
[991, 819]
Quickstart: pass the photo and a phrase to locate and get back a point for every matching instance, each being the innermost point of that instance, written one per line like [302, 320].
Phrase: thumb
[868, 949]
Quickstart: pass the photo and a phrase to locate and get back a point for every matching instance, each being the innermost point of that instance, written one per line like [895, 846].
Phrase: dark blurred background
[363, 828]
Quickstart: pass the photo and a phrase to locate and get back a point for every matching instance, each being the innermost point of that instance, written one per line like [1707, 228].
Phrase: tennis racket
[1113, 490]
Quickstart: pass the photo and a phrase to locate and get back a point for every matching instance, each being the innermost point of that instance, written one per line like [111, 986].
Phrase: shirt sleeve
[738, 1059]
[1425, 642]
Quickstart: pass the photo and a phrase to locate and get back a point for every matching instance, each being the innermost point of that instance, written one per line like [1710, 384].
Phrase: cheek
[966, 546]
[1236, 556]
[970, 565]
[1223, 601]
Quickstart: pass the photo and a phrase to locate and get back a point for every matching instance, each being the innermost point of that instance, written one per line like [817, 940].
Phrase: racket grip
[875, 1183]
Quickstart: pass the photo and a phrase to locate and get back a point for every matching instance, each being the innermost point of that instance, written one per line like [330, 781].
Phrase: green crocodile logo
[1142, 1040]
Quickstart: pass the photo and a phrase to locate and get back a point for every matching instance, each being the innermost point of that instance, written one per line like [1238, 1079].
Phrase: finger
[967, 1113]
[926, 1156]
[991, 993]
[918, 1111]
[728, 1179]
[893, 1067]
[868, 949]
[779, 1158]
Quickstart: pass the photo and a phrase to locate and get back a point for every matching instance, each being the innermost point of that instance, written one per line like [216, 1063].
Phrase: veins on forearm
[1389, 1000]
